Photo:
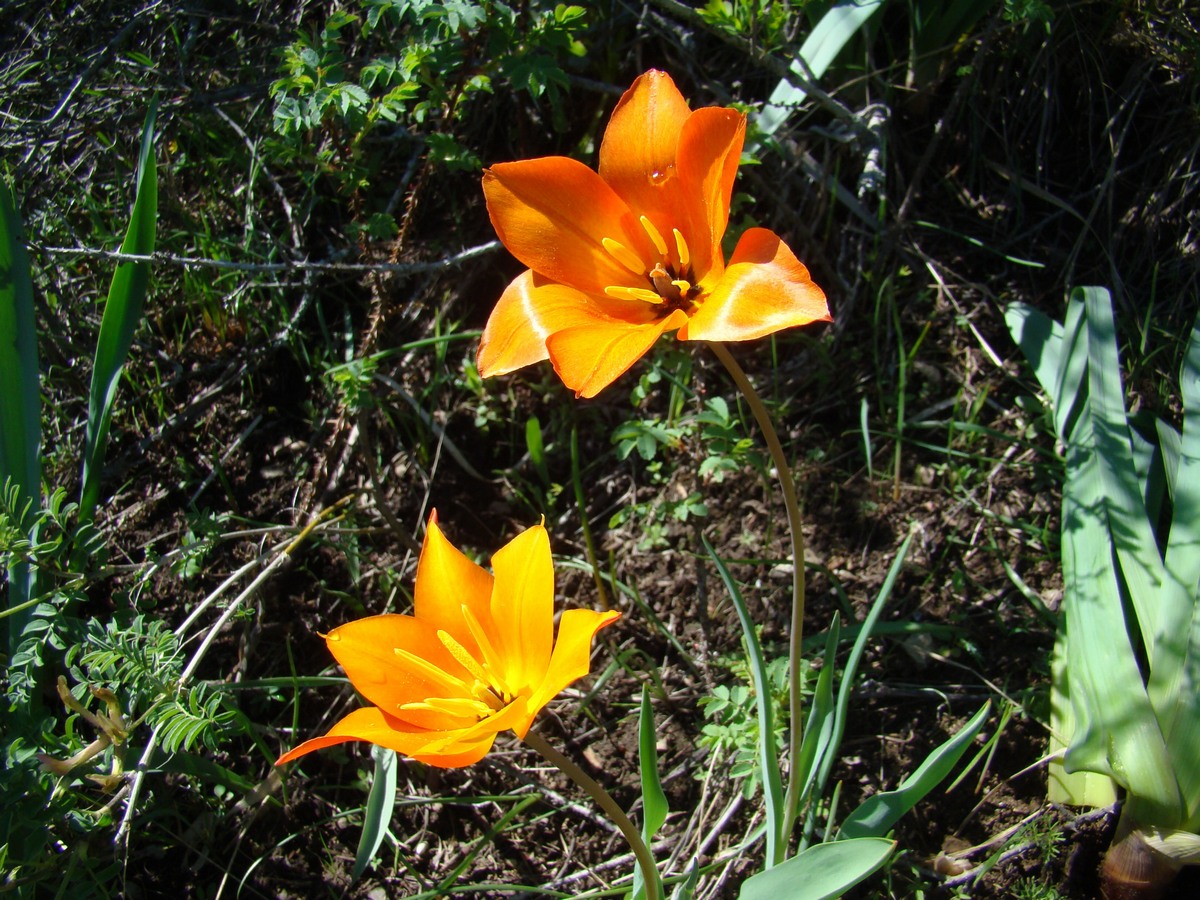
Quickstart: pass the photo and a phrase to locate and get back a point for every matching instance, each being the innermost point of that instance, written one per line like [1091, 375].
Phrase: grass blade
[20, 410]
[876, 815]
[122, 314]
[820, 872]
[768, 758]
[378, 814]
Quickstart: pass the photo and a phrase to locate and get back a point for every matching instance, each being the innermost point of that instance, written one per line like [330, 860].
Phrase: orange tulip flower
[621, 256]
[477, 657]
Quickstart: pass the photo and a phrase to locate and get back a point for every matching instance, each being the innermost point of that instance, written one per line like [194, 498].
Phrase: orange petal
[523, 608]
[530, 310]
[374, 726]
[710, 147]
[553, 214]
[365, 648]
[572, 658]
[637, 155]
[446, 582]
[588, 358]
[764, 289]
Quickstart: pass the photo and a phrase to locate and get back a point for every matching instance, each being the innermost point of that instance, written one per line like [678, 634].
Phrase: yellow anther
[684, 286]
[659, 244]
[422, 668]
[624, 256]
[460, 653]
[631, 293]
[682, 247]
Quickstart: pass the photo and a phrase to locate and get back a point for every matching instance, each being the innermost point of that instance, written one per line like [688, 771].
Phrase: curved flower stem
[796, 635]
[606, 803]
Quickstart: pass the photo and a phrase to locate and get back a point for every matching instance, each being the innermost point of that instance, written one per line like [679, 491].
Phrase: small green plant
[734, 726]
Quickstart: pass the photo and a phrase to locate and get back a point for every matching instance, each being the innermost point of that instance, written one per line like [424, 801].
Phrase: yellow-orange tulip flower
[477, 657]
[621, 256]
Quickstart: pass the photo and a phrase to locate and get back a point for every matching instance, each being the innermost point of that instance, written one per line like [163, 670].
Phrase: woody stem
[606, 803]
[796, 635]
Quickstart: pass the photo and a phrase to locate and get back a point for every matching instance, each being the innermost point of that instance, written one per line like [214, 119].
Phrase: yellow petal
[374, 726]
[554, 213]
[590, 357]
[572, 657]
[365, 648]
[522, 611]
[447, 581]
[530, 310]
[764, 289]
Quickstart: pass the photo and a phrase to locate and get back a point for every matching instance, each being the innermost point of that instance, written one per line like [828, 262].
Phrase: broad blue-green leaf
[876, 815]
[1040, 339]
[122, 314]
[820, 872]
[836, 28]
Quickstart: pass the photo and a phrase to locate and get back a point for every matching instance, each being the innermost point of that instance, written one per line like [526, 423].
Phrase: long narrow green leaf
[1133, 538]
[822, 871]
[1179, 705]
[122, 314]
[768, 758]
[377, 816]
[856, 652]
[20, 398]
[876, 815]
[818, 730]
[654, 801]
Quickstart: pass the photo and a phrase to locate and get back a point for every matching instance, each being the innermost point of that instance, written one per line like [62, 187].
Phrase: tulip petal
[373, 725]
[764, 289]
[590, 357]
[530, 310]
[553, 214]
[572, 657]
[365, 648]
[637, 155]
[522, 612]
[710, 147]
[446, 582]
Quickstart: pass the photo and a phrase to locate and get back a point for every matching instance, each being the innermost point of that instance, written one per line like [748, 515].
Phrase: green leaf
[822, 871]
[1040, 339]
[20, 399]
[378, 814]
[876, 815]
[654, 801]
[768, 758]
[122, 314]
[836, 28]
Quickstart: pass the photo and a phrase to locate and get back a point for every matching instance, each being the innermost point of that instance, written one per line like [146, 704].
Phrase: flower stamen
[659, 244]
[427, 670]
[461, 707]
[624, 256]
[460, 653]
[645, 295]
[681, 246]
